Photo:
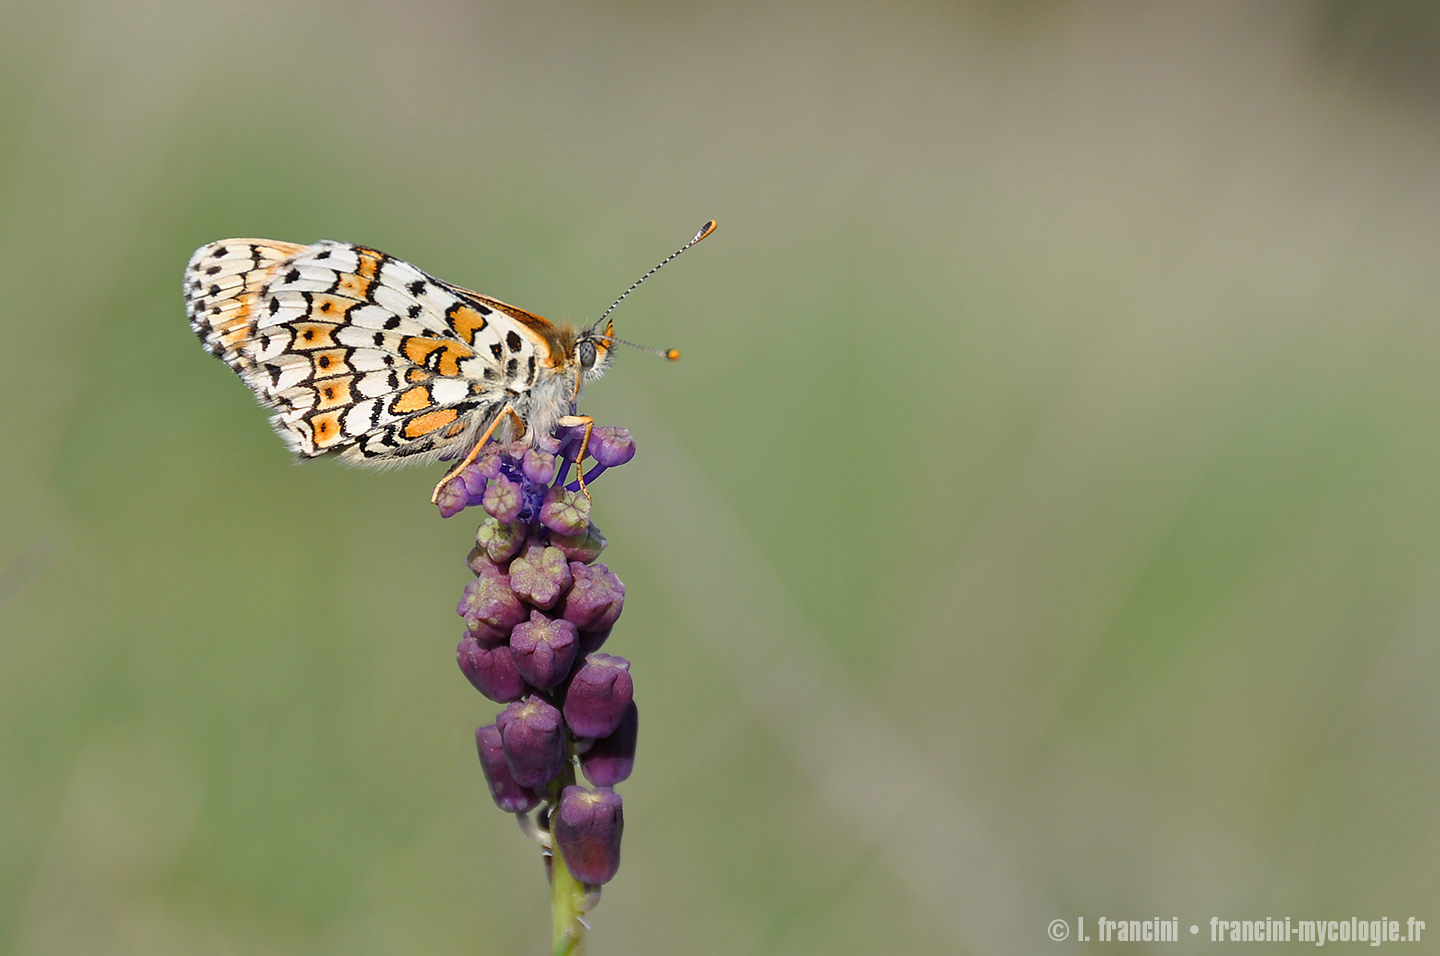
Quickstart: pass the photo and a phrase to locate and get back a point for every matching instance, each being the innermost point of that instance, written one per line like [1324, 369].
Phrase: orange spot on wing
[330, 363]
[328, 308]
[427, 423]
[412, 400]
[417, 375]
[326, 429]
[449, 364]
[354, 286]
[438, 354]
[466, 322]
[334, 393]
[369, 262]
[457, 429]
[312, 335]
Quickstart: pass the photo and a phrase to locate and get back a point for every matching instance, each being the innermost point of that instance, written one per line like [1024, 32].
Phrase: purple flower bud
[549, 444]
[588, 825]
[534, 741]
[500, 541]
[477, 561]
[489, 605]
[611, 446]
[538, 466]
[452, 498]
[598, 696]
[507, 794]
[540, 574]
[503, 499]
[592, 641]
[491, 669]
[475, 481]
[595, 601]
[565, 512]
[487, 465]
[610, 759]
[584, 547]
[544, 650]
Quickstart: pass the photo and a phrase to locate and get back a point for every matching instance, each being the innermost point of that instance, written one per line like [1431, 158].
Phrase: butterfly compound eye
[587, 354]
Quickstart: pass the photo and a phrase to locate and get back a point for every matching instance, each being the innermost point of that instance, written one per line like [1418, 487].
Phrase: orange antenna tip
[673, 354]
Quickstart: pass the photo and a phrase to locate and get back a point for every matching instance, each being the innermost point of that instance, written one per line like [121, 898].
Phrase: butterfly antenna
[672, 354]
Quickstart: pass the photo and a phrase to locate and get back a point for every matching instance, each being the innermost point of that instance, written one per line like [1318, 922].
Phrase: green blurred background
[1044, 520]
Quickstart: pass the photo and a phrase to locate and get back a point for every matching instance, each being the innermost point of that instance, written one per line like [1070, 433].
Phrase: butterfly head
[593, 350]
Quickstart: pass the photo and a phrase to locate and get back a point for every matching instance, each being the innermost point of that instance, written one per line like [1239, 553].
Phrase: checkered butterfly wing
[361, 354]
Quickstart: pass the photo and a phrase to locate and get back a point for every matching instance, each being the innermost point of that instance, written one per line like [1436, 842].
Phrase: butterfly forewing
[361, 354]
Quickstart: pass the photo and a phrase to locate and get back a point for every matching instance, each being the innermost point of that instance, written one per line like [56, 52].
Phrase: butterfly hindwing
[361, 354]
[222, 283]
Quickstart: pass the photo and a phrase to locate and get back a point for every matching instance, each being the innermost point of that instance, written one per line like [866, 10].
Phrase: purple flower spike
[534, 741]
[540, 575]
[611, 446]
[489, 605]
[598, 696]
[507, 794]
[538, 466]
[610, 759]
[564, 511]
[500, 541]
[539, 610]
[503, 499]
[588, 826]
[595, 601]
[584, 547]
[491, 669]
[544, 650]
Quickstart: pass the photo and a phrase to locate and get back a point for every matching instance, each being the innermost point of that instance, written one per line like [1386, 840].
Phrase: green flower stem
[568, 897]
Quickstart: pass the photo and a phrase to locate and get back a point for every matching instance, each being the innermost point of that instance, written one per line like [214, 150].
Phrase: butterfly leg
[570, 421]
[474, 452]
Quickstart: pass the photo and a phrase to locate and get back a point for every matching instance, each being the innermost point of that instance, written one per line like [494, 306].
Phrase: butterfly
[365, 357]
